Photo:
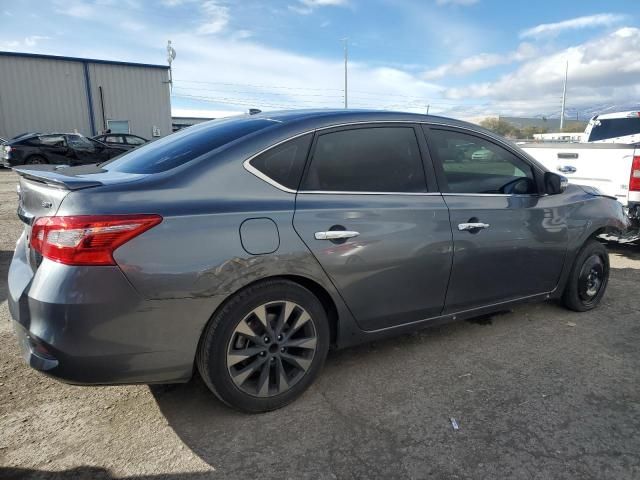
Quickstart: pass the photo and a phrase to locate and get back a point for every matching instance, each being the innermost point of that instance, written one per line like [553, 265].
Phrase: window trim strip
[254, 171]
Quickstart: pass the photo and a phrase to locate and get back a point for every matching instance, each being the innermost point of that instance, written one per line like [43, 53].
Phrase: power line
[361, 92]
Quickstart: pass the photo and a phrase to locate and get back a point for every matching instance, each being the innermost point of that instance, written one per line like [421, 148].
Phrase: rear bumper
[88, 325]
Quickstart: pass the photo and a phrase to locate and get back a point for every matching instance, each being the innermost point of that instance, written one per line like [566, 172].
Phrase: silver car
[245, 248]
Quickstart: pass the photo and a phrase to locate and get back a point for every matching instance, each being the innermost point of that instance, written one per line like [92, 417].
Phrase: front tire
[265, 347]
[588, 279]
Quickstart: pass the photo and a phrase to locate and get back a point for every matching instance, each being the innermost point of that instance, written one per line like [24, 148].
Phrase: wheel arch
[312, 285]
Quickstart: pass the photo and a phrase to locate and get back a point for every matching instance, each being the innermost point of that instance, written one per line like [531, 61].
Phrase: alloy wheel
[271, 348]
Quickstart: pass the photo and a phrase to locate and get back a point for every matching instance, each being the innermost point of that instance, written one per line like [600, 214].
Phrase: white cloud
[79, 10]
[217, 18]
[603, 70]
[34, 39]
[202, 113]
[456, 2]
[481, 61]
[22, 44]
[305, 7]
[258, 76]
[589, 21]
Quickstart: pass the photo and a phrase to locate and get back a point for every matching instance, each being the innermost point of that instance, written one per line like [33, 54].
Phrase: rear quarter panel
[196, 254]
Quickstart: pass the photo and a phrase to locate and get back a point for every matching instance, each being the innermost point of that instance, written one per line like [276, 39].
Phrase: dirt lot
[538, 393]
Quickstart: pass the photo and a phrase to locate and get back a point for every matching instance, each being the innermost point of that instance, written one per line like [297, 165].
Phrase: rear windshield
[614, 127]
[182, 147]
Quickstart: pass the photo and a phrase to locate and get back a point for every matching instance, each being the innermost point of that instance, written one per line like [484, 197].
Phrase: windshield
[186, 145]
[614, 127]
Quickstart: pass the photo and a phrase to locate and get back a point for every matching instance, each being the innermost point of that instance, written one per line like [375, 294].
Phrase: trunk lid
[42, 189]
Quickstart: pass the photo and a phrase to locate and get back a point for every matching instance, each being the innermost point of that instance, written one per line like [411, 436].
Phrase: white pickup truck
[612, 168]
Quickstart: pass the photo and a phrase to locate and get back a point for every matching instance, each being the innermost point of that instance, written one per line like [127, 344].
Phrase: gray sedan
[245, 248]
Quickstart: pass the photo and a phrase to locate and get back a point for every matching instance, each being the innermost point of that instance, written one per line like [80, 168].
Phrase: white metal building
[46, 93]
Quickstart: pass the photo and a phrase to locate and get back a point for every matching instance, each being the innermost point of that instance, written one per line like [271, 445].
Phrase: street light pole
[564, 96]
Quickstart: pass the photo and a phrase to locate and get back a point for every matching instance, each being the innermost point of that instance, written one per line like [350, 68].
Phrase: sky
[461, 58]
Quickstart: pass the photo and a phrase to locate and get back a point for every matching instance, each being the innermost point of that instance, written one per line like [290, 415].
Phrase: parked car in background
[123, 140]
[248, 246]
[56, 148]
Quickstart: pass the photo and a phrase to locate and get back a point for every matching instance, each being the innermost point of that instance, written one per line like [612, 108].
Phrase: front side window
[474, 165]
[284, 164]
[376, 159]
[113, 139]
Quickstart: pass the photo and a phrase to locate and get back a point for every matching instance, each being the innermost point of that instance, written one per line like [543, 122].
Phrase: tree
[501, 127]
[575, 127]
[531, 130]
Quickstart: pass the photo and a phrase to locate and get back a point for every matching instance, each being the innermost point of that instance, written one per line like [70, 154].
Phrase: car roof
[339, 116]
[306, 120]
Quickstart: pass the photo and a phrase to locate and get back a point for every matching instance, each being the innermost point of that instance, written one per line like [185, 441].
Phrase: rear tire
[36, 160]
[588, 279]
[265, 346]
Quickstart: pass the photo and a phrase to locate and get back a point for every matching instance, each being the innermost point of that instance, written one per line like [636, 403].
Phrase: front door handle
[336, 235]
[472, 226]
[567, 169]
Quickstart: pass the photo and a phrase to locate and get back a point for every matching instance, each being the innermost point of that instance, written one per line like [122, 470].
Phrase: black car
[122, 140]
[56, 148]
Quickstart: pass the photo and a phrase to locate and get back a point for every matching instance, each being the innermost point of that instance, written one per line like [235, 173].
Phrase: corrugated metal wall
[46, 95]
[137, 94]
[42, 96]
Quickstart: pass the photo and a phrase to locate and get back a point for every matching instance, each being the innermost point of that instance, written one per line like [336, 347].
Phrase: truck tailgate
[604, 166]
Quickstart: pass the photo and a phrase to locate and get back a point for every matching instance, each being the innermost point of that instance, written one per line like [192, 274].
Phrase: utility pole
[564, 96]
[346, 60]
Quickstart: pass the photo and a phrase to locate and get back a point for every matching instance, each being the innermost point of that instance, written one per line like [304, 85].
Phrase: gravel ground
[538, 392]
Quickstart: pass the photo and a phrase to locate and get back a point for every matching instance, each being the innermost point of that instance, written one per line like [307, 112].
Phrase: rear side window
[614, 127]
[377, 159]
[186, 145]
[284, 164]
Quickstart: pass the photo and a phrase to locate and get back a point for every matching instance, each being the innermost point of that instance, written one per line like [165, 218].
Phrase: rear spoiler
[56, 178]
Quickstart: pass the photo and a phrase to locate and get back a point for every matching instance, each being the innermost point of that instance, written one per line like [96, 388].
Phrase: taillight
[634, 181]
[87, 239]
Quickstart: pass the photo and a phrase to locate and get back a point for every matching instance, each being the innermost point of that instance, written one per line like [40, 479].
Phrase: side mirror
[555, 184]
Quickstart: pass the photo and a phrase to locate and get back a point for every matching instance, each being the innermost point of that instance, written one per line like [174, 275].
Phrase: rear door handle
[336, 234]
[567, 169]
[472, 226]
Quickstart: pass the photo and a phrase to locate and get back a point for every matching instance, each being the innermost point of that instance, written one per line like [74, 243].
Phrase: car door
[509, 240]
[382, 236]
